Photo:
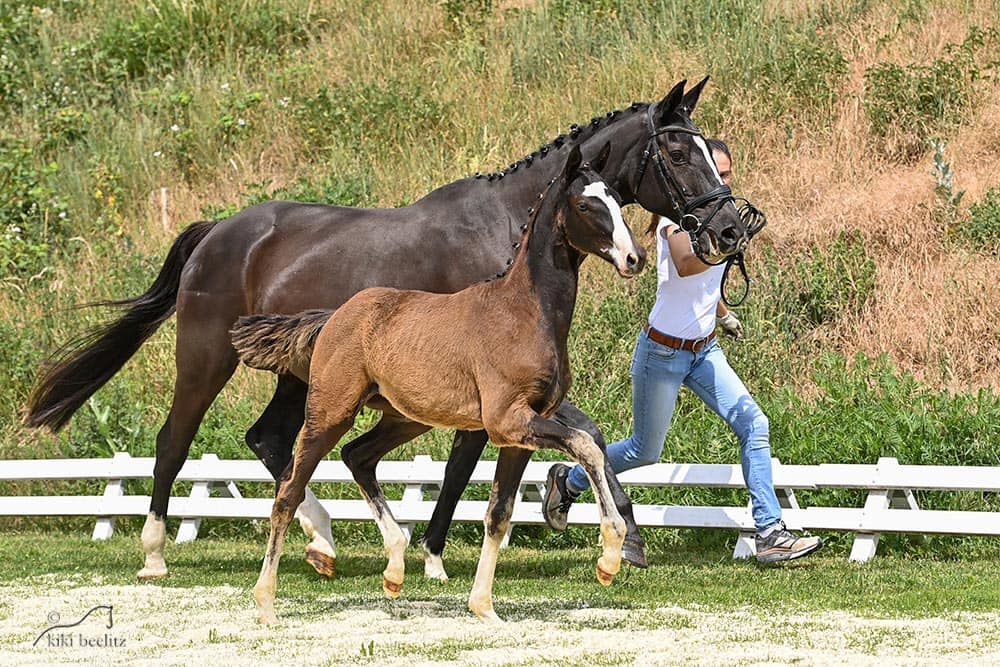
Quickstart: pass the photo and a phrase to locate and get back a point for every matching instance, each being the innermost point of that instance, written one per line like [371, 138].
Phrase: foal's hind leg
[506, 482]
[271, 438]
[465, 453]
[361, 455]
[325, 425]
[205, 362]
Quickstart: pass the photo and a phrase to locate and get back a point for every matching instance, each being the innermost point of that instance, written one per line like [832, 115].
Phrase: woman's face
[725, 166]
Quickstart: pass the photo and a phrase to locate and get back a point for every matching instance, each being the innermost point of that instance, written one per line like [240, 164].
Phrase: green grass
[532, 582]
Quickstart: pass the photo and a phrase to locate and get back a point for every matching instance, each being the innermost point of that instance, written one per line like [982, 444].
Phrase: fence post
[413, 493]
[865, 544]
[190, 526]
[105, 526]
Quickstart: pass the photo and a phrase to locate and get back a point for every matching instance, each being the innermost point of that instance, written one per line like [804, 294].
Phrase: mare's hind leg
[205, 362]
[465, 453]
[506, 482]
[633, 550]
[361, 455]
[271, 438]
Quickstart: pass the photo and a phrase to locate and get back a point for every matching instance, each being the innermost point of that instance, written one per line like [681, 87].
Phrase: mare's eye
[582, 207]
[677, 156]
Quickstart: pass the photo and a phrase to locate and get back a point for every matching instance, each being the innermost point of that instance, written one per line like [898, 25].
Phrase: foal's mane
[576, 133]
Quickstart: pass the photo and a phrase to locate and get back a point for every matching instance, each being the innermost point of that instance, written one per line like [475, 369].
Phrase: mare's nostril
[730, 237]
[631, 261]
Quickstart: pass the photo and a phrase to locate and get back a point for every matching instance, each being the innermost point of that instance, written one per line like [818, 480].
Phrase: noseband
[681, 200]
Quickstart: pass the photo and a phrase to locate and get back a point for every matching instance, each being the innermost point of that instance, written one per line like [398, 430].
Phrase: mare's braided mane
[575, 134]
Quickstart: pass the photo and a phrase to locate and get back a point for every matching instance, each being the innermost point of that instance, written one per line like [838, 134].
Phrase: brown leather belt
[688, 345]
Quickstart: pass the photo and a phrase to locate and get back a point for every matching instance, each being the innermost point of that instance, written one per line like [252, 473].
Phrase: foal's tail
[83, 365]
[278, 343]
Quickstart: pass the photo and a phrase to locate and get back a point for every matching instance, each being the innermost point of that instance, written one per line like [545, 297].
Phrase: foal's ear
[598, 163]
[572, 163]
[691, 97]
[667, 106]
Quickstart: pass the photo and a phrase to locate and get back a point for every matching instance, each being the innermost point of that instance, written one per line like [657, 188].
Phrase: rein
[753, 218]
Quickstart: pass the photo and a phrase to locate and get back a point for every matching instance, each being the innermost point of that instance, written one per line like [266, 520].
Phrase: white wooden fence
[890, 505]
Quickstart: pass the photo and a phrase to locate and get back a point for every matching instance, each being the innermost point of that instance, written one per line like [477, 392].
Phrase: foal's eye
[583, 207]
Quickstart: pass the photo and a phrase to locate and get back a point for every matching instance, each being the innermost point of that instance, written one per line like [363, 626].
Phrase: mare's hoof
[605, 578]
[321, 562]
[151, 573]
[391, 589]
[634, 553]
[434, 568]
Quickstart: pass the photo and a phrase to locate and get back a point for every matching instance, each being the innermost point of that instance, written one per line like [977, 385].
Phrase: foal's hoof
[267, 617]
[391, 588]
[603, 577]
[634, 553]
[321, 562]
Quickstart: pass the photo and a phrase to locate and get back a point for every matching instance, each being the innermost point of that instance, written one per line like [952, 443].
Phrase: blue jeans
[657, 374]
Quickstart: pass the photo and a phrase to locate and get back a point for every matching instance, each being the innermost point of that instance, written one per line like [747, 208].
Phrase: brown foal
[492, 356]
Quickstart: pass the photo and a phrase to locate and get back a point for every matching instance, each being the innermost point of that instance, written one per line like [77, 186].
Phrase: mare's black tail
[83, 365]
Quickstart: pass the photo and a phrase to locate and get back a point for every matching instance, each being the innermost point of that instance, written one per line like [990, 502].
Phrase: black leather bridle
[684, 203]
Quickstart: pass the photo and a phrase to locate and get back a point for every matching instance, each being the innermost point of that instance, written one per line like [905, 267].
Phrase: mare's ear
[691, 97]
[598, 163]
[572, 163]
[667, 106]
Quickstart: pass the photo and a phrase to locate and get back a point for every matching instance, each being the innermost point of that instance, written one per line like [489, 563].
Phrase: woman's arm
[681, 252]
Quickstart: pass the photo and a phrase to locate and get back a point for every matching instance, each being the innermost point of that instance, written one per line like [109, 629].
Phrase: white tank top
[685, 306]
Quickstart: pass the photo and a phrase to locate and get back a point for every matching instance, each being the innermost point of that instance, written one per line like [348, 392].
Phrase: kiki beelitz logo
[56, 635]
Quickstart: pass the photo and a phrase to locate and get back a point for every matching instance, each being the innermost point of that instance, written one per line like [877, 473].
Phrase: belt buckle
[698, 343]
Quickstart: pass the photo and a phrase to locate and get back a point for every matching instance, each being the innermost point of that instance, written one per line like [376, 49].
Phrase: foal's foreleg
[361, 455]
[506, 482]
[581, 447]
[633, 550]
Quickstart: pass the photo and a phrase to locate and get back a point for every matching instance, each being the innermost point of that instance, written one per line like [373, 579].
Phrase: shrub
[372, 116]
[32, 213]
[981, 230]
[908, 105]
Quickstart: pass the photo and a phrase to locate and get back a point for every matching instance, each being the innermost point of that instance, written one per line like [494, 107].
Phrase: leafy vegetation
[229, 103]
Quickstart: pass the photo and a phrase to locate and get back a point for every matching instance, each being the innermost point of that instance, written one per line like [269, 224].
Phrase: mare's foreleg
[633, 550]
[271, 439]
[361, 455]
[465, 453]
[506, 482]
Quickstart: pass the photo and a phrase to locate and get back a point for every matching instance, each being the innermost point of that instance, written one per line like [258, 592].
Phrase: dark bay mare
[492, 356]
[286, 257]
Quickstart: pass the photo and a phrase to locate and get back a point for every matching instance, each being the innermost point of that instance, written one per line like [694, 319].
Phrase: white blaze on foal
[621, 237]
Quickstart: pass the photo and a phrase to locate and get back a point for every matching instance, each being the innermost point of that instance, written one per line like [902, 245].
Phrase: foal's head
[592, 216]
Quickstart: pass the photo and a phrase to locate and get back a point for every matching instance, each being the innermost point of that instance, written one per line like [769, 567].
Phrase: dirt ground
[155, 625]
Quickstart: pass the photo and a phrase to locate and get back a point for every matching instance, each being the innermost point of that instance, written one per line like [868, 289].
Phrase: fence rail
[890, 505]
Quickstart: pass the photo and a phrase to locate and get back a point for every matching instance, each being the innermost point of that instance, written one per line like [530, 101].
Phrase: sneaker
[558, 498]
[782, 544]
